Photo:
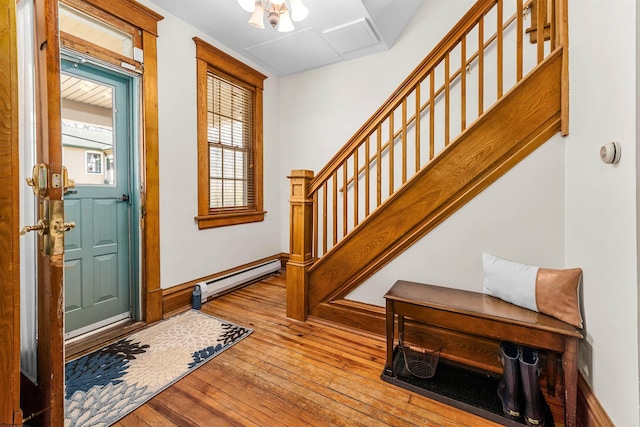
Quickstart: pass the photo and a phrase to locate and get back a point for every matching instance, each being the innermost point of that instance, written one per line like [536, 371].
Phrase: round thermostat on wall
[610, 152]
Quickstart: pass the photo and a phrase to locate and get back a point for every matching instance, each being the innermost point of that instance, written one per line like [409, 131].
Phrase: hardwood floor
[291, 373]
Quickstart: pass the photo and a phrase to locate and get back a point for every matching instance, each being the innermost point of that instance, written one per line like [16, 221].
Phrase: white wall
[187, 253]
[601, 200]
[520, 217]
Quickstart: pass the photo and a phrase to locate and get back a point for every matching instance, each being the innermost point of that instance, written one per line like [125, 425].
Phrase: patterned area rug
[104, 386]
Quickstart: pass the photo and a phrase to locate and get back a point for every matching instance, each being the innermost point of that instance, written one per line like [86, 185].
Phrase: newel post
[300, 244]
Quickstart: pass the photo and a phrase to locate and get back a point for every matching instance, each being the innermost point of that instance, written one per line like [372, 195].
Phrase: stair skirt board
[219, 285]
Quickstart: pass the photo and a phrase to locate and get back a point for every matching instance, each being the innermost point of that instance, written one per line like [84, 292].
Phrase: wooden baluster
[300, 244]
[447, 101]
[391, 153]
[480, 66]
[315, 240]
[345, 201]
[379, 168]
[355, 187]
[334, 208]
[367, 176]
[519, 39]
[404, 140]
[432, 114]
[325, 204]
[463, 83]
[551, 20]
[500, 43]
[541, 15]
[417, 127]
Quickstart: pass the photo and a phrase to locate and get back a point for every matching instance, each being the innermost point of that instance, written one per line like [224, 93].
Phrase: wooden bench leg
[388, 367]
[570, 370]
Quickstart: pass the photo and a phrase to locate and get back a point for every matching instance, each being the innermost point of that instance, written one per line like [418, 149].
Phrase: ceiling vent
[295, 52]
[351, 36]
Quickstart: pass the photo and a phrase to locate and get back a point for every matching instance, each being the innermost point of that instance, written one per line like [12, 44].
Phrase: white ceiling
[335, 30]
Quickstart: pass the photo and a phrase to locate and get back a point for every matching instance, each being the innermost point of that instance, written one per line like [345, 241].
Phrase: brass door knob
[66, 226]
[41, 228]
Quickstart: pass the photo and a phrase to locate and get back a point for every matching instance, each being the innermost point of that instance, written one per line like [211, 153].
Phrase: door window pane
[87, 131]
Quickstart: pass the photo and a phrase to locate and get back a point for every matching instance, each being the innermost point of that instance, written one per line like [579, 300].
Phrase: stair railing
[483, 57]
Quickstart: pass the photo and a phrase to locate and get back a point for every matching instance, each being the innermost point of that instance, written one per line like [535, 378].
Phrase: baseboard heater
[220, 285]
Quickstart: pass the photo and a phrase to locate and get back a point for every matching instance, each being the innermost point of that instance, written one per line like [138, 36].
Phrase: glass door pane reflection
[87, 131]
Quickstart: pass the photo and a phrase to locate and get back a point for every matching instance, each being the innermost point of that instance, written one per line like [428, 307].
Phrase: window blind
[230, 138]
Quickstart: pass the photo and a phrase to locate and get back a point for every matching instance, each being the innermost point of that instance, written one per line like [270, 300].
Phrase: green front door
[97, 151]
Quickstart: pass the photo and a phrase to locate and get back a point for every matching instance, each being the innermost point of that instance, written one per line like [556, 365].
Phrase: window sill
[232, 218]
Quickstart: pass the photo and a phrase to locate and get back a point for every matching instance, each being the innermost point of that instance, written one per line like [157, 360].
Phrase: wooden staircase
[466, 115]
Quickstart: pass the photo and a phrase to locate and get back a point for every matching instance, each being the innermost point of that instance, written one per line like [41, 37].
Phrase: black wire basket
[420, 360]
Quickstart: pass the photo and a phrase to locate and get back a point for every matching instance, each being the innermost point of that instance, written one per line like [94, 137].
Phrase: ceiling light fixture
[276, 12]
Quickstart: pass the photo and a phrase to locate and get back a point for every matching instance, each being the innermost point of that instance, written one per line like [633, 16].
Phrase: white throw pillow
[510, 281]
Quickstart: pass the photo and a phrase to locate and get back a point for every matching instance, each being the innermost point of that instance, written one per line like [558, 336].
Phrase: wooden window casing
[224, 77]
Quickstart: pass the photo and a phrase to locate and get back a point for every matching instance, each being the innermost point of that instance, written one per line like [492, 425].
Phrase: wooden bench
[480, 315]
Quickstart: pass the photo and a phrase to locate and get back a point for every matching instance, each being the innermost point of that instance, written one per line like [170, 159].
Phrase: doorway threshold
[94, 340]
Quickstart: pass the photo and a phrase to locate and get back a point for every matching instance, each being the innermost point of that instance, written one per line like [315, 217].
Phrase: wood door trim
[129, 11]
[152, 294]
[137, 15]
[10, 412]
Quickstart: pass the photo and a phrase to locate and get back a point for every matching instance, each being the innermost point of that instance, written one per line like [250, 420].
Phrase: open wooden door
[46, 404]
[43, 403]
[10, 413]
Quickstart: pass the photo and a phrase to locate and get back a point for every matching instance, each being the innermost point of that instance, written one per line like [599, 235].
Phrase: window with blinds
[230, 138]
[230, 171]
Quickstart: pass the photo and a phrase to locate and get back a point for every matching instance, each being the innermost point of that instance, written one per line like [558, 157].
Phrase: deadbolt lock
[39, 179]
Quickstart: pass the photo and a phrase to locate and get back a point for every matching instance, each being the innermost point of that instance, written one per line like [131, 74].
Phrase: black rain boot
[509, 387]
[536, 410]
